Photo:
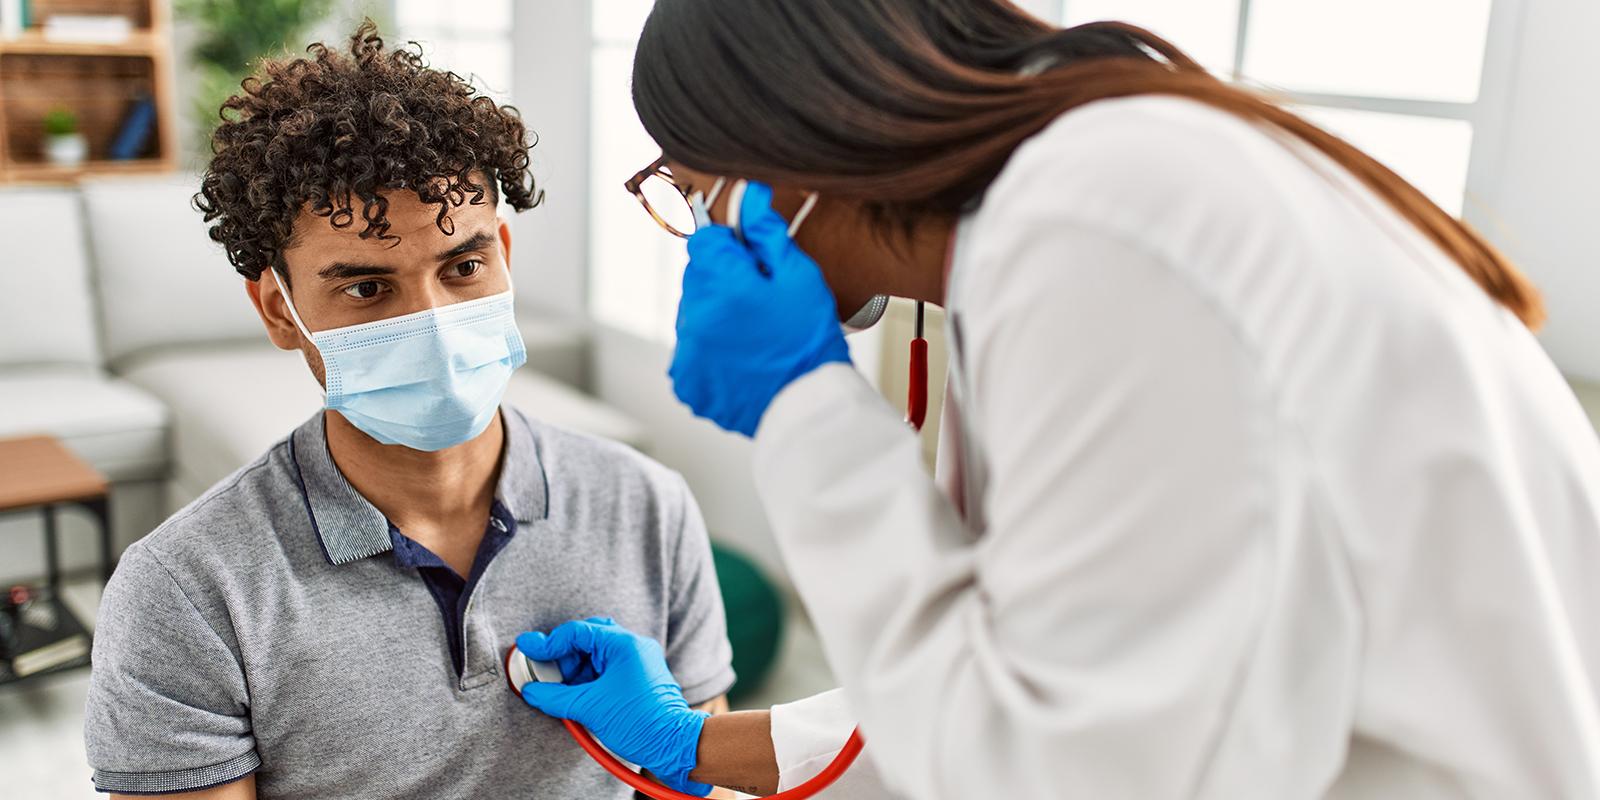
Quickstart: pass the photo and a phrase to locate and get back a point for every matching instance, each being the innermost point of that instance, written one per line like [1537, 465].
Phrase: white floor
[41, 723]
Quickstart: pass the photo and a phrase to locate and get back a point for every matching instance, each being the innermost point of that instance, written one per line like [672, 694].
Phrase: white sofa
[125, 332]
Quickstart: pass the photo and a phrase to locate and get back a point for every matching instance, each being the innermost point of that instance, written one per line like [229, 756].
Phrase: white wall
[1542, 203]
[631, 374]
[550, 86]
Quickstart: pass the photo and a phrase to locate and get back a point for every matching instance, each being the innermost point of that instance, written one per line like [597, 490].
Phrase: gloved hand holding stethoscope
[755, 314]
[619, 687]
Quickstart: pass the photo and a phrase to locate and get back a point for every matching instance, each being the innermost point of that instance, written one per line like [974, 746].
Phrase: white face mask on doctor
[428, 380]
[864, 318]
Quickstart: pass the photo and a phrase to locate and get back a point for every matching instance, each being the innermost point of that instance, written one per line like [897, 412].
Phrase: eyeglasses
[664, 198]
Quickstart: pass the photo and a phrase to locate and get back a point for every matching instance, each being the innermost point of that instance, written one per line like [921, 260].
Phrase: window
[1397, 78]
[1206, 29]
[471, 38]
[635, 267]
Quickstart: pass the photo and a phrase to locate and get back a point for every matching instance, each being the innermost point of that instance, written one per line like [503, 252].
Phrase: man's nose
[424, 295]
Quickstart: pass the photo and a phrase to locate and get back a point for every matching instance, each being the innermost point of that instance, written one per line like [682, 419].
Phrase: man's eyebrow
[340, 270]
[476, 241]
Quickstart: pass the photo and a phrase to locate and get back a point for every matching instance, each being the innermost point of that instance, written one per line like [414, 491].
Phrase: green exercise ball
[755, 618]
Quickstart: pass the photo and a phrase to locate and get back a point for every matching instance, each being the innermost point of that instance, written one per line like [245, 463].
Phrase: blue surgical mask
[428, 380]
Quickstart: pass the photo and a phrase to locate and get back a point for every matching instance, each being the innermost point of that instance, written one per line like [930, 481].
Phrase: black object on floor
[39, 636]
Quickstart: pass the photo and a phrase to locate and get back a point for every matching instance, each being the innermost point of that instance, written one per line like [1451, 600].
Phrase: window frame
[1489, 115]
[552, 81]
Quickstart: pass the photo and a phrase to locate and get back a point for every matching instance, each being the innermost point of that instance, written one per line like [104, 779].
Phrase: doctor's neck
[862, 256]
[928, 251]
[413, 485]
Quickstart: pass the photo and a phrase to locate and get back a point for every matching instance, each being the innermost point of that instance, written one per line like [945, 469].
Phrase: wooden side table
[40, 472]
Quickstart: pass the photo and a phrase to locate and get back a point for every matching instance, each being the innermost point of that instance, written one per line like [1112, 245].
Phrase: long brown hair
[914, 106]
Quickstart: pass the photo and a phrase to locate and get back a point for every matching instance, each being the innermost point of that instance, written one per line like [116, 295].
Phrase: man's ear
[505, 241]
[269, 303]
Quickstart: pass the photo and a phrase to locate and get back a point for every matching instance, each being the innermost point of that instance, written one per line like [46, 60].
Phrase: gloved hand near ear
[625, 695]
[744, 332]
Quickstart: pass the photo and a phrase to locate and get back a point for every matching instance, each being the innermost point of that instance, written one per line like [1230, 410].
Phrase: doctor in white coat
[1254, 482]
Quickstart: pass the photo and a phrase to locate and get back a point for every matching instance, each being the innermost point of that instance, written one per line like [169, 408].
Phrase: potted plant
[232, 36]
[64, 145]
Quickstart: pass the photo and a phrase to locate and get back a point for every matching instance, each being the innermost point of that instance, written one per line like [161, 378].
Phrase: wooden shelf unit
[98, 82]
[33, 42]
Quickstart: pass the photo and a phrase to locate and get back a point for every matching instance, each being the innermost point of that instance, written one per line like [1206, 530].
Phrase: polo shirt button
[498, 525]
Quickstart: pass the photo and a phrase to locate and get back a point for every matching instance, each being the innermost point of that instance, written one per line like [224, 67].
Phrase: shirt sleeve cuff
[704, 691]
[186, 780]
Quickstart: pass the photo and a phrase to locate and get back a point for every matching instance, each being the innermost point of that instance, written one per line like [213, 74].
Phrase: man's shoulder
[228, 506]
[597, 458]
[235, 523]
[606, 477]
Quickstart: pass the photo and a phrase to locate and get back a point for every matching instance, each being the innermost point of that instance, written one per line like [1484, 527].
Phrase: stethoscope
[521, 670]
[865, 317]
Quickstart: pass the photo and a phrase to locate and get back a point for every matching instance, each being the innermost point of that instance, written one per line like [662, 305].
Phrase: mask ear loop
[295, 315]
[805, 211]
[289, 301]
[700, 203]
[736, 203]
[716, 191]
[735, 206]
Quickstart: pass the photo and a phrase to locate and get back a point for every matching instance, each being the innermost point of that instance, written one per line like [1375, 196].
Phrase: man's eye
[364, 290]
[467, 269]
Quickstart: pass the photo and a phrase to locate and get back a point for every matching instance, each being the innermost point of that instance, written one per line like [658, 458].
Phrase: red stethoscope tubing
[916, 414]
[917, 386]
[649, 788]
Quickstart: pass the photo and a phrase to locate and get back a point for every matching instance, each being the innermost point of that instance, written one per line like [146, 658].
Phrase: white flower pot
[66, 150]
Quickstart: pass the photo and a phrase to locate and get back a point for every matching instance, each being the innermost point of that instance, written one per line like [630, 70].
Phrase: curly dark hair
[313, 133]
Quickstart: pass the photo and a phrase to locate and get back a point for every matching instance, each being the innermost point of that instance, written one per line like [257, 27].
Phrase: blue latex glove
[632, 705]
[744, 335]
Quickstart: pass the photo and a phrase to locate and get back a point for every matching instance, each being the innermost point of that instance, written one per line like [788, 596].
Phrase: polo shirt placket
[350, 528]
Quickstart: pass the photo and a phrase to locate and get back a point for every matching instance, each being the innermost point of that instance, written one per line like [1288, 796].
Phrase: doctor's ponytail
[913, 106]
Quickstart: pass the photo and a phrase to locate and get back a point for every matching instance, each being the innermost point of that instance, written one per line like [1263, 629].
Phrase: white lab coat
[1263, 497]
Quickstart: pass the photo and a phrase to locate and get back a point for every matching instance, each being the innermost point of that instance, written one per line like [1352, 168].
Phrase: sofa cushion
[161, 279]
[46, 307]
[231, 403]
[110, 423]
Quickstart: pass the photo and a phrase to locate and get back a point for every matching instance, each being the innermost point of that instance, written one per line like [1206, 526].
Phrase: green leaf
[233, 36]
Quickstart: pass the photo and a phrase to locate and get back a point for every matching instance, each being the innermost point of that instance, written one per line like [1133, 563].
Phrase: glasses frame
[657, 169]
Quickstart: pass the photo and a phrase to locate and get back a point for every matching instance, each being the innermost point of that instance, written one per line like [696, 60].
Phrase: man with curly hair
[330, 620]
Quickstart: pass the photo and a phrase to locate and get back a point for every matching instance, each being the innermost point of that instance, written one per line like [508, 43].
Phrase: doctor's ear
[274, 313]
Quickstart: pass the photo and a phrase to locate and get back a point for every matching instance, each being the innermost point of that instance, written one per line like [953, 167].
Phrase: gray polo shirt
[270, 627]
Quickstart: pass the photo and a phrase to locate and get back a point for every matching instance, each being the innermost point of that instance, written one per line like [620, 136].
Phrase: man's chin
[330, 414]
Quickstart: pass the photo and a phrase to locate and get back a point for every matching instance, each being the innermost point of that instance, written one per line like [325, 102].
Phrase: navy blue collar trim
[349, 528]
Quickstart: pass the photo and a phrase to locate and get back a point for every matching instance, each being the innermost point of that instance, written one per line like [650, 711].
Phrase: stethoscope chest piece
[521, 670]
